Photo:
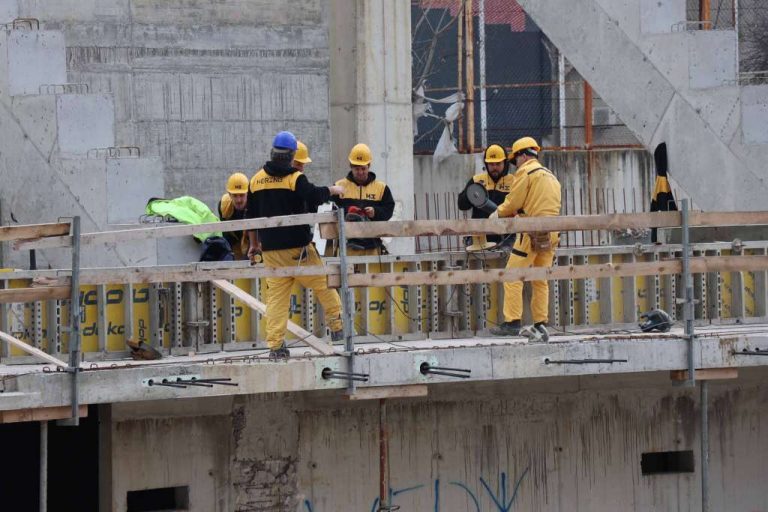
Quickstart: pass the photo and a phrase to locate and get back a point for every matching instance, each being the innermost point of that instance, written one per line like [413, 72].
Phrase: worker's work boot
[542, 328]
[337, 335]
[507, 329]
[282, 352]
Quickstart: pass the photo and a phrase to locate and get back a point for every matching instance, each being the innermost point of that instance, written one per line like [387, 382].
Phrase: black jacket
[497, 192]
[281, 190]
[373, 193]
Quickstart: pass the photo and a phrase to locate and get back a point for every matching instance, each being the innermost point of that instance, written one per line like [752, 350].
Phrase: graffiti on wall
[502, 496]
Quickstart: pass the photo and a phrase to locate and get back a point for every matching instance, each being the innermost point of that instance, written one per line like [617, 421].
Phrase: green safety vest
[184, 209]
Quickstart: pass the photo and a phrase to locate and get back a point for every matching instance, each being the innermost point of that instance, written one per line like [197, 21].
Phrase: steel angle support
[53, 329]
[177, 339]
[254, 316]
[605, 294]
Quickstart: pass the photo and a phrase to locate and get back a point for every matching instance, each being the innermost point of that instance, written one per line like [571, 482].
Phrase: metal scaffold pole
[74, 321]
[347, 300]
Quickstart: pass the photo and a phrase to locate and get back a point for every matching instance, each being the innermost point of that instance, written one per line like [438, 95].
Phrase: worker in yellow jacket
[535, 193]
[233, 206]
[278, 189]
[366, 198]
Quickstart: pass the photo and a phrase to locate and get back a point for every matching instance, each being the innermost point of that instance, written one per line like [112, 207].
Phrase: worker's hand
[253, 249]
[494, 215]
[368, 211]
[336, 190]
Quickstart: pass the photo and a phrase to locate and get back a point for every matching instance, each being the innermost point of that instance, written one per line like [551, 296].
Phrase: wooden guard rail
[50, 235]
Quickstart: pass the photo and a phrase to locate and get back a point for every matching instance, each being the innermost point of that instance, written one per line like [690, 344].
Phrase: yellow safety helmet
[302, 153]
[237, 183]
[494, 154]
[360, 155]
[523, 144]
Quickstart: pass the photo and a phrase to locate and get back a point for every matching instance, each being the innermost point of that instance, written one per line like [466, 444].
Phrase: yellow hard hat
[494, 154]
[522, 144]
[360, 155]
[237, 183]
[302, 153]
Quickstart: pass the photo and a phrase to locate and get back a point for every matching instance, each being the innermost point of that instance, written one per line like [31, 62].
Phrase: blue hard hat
[285, 140]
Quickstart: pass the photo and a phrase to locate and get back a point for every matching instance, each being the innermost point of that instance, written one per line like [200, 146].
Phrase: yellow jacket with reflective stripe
[535, 193]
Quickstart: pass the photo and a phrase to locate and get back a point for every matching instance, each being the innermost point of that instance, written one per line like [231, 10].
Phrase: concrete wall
[540, 445]
[204, 86]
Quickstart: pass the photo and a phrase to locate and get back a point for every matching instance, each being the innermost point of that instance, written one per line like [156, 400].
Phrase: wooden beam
[705, 374]
[20, 295]
[177, 230]
[191, 274]
[41, 414]
[251, 301]
[31, 231]
[709, 219]
[409, 228]
[698, 265]
[29, 349]
[380, 392]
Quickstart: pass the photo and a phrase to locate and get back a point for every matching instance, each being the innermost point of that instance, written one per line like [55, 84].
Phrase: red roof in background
[497, 12]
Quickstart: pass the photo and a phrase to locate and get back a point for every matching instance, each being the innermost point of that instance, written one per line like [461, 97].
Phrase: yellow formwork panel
[750, 307]
[617, 290]
[243, 314]
[402, 303]
[89, 313]
[726, 291]
[19, 319]
[643, 292]
[141, 313]
[494, 303]
[378, 304]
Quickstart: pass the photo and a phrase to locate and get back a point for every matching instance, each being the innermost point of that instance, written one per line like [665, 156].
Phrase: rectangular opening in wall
[658, 463]
[155, 500]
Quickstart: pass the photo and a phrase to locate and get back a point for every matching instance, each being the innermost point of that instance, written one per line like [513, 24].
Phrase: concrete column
[370, 43]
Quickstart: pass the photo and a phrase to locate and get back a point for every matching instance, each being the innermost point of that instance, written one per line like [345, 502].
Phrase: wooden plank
[41, 414]
[18, 295]
[191, 274]
[729, 218]
[177, 230]
[31, 350]
[31, 231]
[698, 265]
[251, 301]
[409, 228]
[380, 392]
[705, 374]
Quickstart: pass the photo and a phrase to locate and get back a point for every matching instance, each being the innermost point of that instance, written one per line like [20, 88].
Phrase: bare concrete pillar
[370, 43]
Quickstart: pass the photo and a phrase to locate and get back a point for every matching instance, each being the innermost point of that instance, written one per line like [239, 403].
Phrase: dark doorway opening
[73, 466]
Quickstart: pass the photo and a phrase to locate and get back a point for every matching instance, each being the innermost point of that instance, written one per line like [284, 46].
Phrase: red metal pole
[587, 115]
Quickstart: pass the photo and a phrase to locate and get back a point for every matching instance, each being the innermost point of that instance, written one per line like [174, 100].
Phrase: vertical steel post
[481, 62]
[43, 466]
[469, 45]
[704, 446]
[383, 457]
[688, 290]
[347, 299]
[74, 320]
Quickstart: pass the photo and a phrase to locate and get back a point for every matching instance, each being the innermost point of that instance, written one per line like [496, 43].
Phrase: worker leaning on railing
[535, 193]
[364, 198]
[233, 206]
[280, 189]
[497, 182]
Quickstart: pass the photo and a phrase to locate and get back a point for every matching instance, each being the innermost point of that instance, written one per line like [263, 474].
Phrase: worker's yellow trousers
[279, 291]
[523, 256]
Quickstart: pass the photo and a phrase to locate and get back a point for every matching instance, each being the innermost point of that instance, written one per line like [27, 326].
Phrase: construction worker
[279, 189]
[364, 197]
[535, 193]
[233, 206]
[301, 158]
[497, 182]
